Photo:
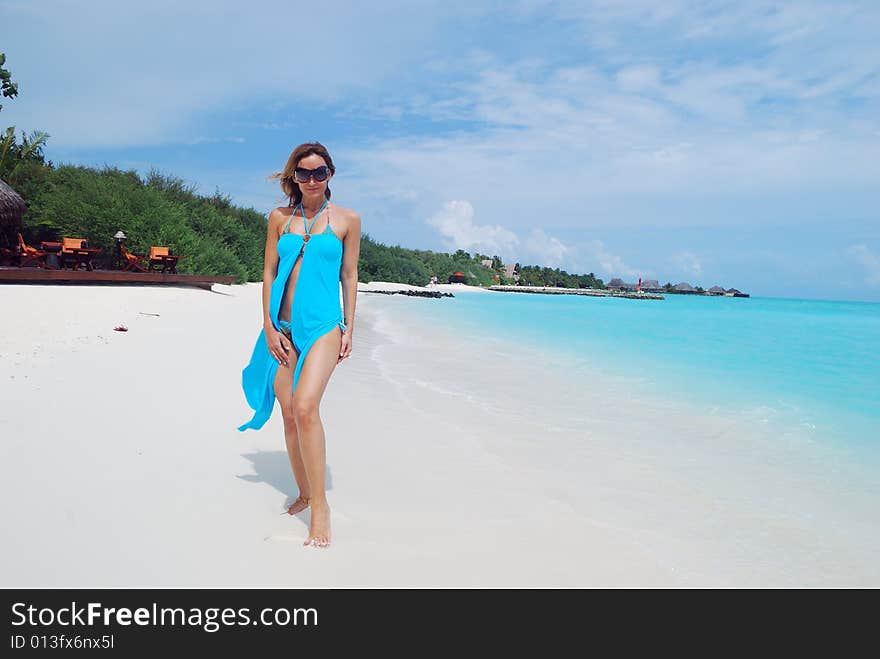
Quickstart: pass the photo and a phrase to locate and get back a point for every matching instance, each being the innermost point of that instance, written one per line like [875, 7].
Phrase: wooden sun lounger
[32, 254]
[162, 257]
[132, 261]
[76, 252]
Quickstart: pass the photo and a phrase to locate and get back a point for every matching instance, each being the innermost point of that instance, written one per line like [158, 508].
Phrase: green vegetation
[412, 266]
[8, 88]
[22, 165]
[215, 237]
[532, 275]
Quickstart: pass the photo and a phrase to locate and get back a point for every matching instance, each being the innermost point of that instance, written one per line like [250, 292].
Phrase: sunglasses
[302, 175]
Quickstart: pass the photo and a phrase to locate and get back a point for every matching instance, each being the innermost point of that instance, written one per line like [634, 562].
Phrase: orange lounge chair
[69, 244]
[162, 256]
[29, 254]
[70, 253]
[132, 261]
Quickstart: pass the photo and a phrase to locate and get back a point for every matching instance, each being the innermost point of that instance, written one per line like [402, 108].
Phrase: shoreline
[439, 472]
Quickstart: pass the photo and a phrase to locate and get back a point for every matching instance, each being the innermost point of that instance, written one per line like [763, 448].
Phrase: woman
[311, 245]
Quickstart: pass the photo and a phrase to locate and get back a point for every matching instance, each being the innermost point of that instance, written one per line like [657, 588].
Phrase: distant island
[682, 288]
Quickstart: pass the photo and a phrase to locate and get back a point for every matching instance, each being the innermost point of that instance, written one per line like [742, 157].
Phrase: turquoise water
[810, 366]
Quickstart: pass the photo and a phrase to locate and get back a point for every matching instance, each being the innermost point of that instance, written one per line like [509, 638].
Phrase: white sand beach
[122, 465]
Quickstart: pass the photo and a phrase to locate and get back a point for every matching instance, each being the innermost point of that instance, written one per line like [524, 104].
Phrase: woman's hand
[345, 348]
[279, 346]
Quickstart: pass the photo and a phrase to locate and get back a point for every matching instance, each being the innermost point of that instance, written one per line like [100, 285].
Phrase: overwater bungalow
[618, 284]
[684, 287]
[732, 292]
[717, 290]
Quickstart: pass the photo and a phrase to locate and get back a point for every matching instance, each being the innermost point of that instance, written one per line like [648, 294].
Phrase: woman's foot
[319, 531]
[301, 503]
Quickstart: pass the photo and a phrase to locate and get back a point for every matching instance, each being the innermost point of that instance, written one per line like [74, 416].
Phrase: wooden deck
[107, 277]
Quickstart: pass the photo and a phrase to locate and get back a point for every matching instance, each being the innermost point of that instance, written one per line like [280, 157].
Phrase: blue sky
[729, 143]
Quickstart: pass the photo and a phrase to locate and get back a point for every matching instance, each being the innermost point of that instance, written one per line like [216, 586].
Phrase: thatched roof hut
[12, 206]
[684, 287]
[717, 290]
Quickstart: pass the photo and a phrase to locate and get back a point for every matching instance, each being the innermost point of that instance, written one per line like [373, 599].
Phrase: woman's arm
[351, 250]
[270, 264]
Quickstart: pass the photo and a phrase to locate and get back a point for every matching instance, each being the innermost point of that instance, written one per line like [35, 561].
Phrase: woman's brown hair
[288, 184]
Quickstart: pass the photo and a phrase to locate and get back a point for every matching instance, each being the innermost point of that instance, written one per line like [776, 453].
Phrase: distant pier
[592, 292]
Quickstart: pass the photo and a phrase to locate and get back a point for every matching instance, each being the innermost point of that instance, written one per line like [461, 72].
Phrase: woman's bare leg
[313, 379]
[284, 394]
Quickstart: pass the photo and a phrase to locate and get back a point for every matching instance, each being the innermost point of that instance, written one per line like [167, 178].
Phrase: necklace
[308, 227]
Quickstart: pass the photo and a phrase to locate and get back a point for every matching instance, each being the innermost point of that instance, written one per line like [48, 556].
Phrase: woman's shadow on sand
[273, 468]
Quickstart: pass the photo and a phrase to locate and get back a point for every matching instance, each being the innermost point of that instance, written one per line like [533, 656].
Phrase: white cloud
[869, 261]
[213, 140]
[610, 265]
[687, 263]
[543, 249]
[456, 223]
[649, 136]
[638, 78]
